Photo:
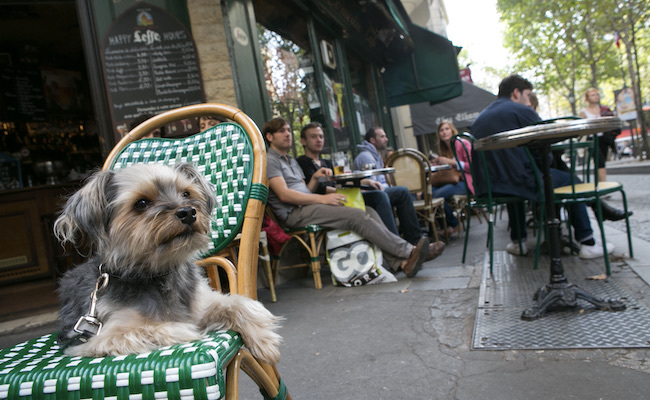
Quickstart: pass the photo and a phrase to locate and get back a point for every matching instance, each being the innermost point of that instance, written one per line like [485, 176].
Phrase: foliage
[569, 46]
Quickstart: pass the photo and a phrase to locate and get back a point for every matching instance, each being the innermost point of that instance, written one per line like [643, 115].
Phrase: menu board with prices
[150, 65]
[22, 94]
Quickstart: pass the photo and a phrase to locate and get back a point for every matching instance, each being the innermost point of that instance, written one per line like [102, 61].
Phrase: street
[637, 190]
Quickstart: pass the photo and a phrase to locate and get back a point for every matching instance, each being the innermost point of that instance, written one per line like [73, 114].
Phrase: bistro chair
[591, 192]
[232, 157]
[489, 201]
[412, 171]
[311, 239]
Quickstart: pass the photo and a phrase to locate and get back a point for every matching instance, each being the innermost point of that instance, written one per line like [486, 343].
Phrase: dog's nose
[187, 215]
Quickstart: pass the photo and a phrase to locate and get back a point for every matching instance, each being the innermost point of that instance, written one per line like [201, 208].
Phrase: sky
[474, 25]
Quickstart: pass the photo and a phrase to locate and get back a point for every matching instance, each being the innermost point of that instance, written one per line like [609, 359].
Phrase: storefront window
[363, 94]
[288, 73]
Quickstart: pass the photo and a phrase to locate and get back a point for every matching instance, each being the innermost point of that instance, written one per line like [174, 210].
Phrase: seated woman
[449, 183]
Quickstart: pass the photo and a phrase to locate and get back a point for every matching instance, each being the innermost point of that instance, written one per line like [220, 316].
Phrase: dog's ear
[207, 189]
[85, 216]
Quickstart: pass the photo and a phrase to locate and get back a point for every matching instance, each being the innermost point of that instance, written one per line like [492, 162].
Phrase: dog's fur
[146, 226]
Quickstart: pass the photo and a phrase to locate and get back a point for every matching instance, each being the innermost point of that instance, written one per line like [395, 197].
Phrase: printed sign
[150, 65]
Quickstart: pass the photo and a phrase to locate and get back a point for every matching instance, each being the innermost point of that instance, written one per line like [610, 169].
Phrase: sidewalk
[412, 339]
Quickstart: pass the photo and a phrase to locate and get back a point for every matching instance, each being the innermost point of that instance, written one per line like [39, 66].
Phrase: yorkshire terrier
[145, 226]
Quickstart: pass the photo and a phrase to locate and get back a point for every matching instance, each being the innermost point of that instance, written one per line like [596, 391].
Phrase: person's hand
[376, 185]
[445, 160]
[333, 199]
[322, 172]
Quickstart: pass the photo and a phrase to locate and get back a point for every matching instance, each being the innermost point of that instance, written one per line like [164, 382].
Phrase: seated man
[312, 139]
[400, 197]
[512, 174]
[296, 204]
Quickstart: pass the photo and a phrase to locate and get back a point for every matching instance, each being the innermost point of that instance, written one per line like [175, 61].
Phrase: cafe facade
[76, 74]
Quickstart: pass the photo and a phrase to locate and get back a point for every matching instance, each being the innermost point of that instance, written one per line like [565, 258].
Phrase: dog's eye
[141, 204]
[186, 194]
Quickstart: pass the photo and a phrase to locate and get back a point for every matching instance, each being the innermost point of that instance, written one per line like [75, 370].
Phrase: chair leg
[599, 218]
[627, 225]
[491, 239]
[441, 211]
[314, 255]
[266, 263]
[469, 219]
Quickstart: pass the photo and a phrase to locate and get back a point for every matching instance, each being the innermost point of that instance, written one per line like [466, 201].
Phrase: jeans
[400, 198]
[447, 191]
[578, 215]
[378, 199]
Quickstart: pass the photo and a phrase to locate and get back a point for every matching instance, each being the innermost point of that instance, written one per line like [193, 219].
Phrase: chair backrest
[467, 147]
[232, 157]
[411, 171]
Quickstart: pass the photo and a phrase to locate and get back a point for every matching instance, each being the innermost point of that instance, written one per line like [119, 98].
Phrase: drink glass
[341, 163]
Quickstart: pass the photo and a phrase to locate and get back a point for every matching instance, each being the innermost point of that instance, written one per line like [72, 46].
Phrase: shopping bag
[353, 197]
[354, 261]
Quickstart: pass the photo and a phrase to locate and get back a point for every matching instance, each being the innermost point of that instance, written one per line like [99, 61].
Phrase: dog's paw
[257, 326]
[264, 343]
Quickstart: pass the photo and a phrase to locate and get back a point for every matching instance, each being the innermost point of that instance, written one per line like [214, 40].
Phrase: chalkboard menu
[150, 65]
[22, 94]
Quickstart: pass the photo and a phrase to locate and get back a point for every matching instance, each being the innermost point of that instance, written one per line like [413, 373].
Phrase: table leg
[559, 293]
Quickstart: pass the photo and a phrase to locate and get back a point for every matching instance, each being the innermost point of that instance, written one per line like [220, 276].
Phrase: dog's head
[143, 216]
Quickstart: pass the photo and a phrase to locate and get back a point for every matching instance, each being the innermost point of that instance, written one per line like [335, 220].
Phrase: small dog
[145, 226]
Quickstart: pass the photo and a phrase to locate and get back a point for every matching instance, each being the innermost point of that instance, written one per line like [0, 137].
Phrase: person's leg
[517, 221]
[379, 201]
[577, 211]
[447, 191]
[401, 199]
[366, 224]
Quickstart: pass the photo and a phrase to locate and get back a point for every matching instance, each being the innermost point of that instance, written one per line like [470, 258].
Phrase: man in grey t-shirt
[296, 204]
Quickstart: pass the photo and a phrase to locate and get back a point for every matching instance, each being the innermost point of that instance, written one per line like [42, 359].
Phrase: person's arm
[309, 167]
[278, 185]
[376, 185]
[314, 183]
[362, 159]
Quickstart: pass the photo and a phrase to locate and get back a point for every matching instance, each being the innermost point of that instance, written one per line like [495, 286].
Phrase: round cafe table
[558, 292]
[441, 167]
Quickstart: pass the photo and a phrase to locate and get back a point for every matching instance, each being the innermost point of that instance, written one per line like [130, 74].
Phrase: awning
[462, 110]
[430, 74]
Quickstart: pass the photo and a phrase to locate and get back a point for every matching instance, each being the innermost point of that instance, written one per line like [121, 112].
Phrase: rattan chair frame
[242, 277]
[429, 208]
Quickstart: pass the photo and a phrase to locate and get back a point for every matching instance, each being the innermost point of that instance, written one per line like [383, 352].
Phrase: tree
[562, 43]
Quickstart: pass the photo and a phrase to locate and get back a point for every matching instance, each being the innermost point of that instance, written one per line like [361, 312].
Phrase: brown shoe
[435, 249]
[418, 255]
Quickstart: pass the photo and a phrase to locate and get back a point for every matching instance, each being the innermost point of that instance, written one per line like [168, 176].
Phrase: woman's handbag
[445, 177]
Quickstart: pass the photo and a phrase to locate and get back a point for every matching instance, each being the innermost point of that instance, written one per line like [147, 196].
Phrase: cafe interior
[48, 144]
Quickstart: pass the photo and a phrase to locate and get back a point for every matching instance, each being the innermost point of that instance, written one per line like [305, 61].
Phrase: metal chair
[412, 171]
[488, 201]
[232, 157]
[591, 192]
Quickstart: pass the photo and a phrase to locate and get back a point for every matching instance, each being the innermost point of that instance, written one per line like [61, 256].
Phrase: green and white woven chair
[232, 156]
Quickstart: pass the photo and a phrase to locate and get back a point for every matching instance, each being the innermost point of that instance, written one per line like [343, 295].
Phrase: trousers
[366, 224]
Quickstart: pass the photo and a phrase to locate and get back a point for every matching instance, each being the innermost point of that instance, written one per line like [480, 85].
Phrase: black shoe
[612, 214]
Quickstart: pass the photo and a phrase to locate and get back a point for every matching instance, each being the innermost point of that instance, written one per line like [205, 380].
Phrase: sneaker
[595, 251]
[513, 248]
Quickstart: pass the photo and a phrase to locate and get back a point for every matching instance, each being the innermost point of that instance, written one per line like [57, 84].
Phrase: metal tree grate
[505, 295]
